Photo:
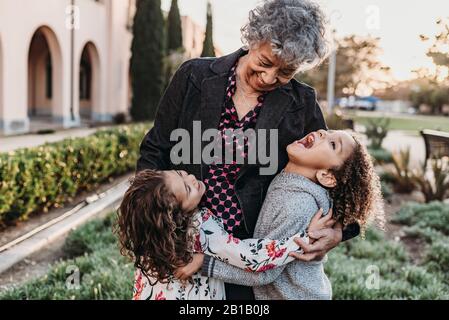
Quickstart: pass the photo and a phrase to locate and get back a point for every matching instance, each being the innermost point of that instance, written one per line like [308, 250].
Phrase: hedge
[44, 177]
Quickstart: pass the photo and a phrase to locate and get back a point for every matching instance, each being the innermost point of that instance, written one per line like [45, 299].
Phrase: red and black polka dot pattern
[220, 195]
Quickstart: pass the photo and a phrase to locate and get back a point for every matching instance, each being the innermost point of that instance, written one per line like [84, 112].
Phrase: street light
[331, 75]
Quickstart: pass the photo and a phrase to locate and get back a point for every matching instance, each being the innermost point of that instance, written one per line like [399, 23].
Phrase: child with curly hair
[169, 238]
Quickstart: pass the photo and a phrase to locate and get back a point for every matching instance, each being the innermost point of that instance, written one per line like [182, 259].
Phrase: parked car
[359, 103]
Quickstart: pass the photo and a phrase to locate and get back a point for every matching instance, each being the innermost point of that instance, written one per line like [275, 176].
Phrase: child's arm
[286, 221]
[255, 255]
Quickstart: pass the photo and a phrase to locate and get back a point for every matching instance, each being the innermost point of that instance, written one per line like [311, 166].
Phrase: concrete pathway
[33, 140]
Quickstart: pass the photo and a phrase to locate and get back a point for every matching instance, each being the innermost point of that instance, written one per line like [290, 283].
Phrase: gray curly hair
[296, 29]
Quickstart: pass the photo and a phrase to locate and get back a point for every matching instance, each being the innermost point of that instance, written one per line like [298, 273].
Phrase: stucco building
[54, 72]
[65, 72]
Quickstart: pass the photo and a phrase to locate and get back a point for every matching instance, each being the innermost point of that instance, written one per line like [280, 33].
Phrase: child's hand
[184, 273]
[319, 222]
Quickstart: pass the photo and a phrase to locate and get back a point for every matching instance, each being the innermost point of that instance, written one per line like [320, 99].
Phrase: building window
[48, 78]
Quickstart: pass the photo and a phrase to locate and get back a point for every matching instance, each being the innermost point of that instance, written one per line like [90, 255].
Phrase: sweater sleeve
[291, 218]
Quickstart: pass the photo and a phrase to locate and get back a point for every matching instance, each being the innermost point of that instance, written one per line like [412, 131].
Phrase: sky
[398, 23]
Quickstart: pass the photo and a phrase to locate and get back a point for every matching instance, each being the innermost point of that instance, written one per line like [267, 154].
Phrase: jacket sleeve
[286, 222]
[156, 145]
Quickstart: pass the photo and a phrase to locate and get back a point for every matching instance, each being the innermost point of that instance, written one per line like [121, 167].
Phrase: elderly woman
[251, 88]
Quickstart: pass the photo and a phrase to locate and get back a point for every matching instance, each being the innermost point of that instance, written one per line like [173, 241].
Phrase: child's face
[322, 150]
[187, 189]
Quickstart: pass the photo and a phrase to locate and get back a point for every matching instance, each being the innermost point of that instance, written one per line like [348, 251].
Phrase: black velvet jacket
[197, 93]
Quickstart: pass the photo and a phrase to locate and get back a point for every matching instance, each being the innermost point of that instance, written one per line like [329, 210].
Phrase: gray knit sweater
[291, 202]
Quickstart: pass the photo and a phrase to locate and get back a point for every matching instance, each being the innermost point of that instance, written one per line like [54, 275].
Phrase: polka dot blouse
[220, 196]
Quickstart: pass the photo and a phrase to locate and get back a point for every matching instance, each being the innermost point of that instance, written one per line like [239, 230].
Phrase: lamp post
[331, 75]
[72, 58]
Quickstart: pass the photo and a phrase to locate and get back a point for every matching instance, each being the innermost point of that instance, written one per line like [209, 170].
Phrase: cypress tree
[208, 45]
[147, 59]
[174, 29]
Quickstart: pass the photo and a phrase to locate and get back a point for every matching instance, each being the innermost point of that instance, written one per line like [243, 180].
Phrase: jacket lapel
[275, 104]
[271, 114]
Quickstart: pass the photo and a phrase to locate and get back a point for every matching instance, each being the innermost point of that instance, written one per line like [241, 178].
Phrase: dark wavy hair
[357, 197]
[153, 230]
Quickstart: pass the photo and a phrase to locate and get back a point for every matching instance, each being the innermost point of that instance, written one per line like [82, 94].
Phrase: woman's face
[186, 188]
[264, 71]
[322, 150]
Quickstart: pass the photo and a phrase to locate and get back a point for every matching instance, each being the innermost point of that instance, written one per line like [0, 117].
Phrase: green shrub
[433, 215]
[425, 233]
[376, 131]
[351, 264]
[402, 174]
[102, 275]
[437, 256]
[37, 179]
[381, 155]
[435, 187]
[91, 237]
[103, 272]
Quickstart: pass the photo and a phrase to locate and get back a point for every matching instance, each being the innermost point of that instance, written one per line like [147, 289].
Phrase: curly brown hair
[153, 230]
[357, 197]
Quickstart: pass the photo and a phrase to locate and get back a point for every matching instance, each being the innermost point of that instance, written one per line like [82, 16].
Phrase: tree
[208, 45]
[438, 52]
[147, 50]
[174, 29]
[432, 87]
[358, 69]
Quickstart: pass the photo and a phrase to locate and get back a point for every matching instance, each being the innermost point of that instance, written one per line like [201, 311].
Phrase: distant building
[49, 70]
[193, 38]
[53, 74]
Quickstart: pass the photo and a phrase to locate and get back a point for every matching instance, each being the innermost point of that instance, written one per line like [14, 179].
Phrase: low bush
[437, 256]
[37, 179]
[402, 174]
[436, 186]
[98, 273]
[381, 155]
[433, 215]
[376, 131]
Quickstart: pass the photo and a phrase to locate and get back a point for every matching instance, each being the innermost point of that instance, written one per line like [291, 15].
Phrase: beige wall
[1, 78]
[103, 26]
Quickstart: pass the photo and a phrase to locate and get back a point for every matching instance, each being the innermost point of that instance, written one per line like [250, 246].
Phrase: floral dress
[252, 255]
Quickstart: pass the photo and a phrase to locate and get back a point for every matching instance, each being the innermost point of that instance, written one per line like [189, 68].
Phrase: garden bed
[105, 274]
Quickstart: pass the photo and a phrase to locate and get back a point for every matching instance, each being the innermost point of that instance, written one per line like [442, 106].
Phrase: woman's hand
[184, 273]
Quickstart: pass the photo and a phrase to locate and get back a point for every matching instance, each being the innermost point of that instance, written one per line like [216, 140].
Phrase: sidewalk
[33, 140]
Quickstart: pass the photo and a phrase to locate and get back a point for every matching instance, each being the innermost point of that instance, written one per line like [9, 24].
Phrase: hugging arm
[255, 255]
[286, 221]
